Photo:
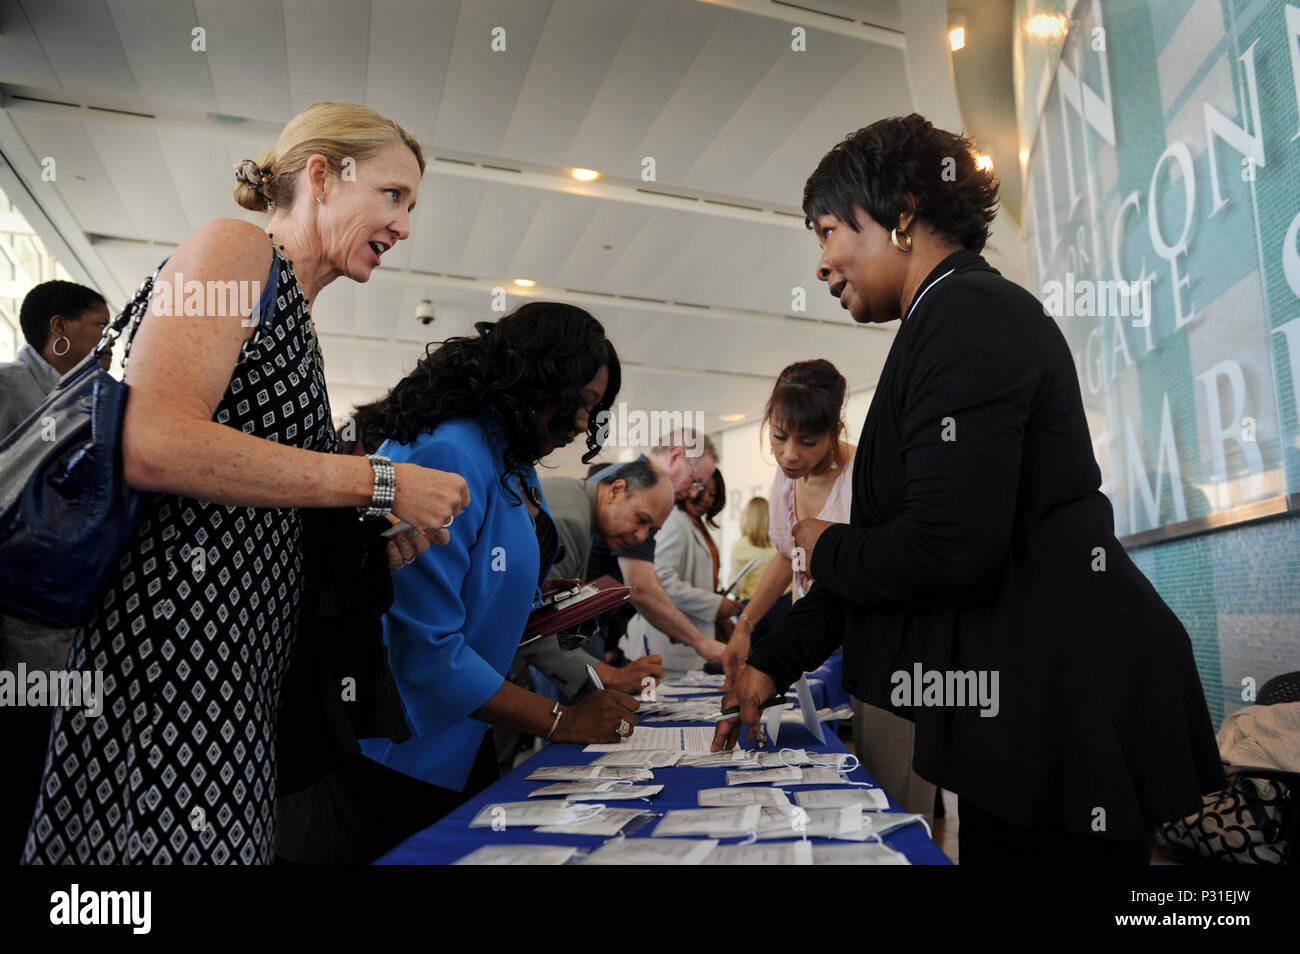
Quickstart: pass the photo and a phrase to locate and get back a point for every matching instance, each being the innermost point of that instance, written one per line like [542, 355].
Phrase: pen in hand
[733, 712]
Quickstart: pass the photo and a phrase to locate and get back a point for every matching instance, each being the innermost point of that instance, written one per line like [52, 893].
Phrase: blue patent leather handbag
[66, 511]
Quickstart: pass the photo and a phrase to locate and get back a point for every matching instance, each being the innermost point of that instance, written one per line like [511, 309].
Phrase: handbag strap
[133, 313]
[135, 310]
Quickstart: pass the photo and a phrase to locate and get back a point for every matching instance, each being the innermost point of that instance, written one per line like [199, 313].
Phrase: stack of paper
[688, 739]
[607, 823]
[518, 855]
[506, 815]
[718, 797]
[791, 822]
[736, 758]
[637, 758]
[644, 851]
[791, 774]
[869, 799]
[565, 789]
[821, 775]
[864, 854]
[714, 822]
[790, 853]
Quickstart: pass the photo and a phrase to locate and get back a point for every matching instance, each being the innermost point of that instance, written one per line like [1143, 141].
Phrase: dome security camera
[424, 312]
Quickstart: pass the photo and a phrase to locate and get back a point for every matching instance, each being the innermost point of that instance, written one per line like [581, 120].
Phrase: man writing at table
[624, 507]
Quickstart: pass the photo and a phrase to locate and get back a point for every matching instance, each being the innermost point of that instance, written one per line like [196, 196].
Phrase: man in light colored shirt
[630, 503]
[689, 459]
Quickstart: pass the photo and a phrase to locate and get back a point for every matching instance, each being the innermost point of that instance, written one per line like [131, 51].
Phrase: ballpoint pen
[645, 641]
[734, 711]
[595, 680]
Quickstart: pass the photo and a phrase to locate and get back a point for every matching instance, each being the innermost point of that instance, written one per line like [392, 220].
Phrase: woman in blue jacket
[488, 407]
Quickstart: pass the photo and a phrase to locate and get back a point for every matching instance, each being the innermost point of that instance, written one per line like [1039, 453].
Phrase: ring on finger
[449, 520]
[624, 728]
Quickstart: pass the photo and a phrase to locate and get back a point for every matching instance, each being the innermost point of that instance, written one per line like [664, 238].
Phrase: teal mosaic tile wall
[1237, 592]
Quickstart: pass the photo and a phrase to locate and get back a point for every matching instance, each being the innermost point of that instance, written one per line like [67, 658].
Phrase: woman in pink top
[814, 478]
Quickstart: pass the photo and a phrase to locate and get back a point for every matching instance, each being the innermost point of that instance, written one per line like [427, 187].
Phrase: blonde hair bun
[337, 131]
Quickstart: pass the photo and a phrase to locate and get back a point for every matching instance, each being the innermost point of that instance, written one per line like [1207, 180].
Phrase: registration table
[452, 838]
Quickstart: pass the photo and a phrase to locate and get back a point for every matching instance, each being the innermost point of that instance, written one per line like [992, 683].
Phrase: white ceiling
[734, 119]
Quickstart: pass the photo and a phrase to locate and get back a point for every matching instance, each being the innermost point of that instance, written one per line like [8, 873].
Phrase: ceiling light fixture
[585, 175]
[956, 38]
[525, 282]
[1047, 26]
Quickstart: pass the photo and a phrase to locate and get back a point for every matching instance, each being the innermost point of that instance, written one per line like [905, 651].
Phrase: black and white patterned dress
[180, 765]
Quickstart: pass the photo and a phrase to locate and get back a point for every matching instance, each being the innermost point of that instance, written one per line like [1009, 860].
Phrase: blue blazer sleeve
[442, 679]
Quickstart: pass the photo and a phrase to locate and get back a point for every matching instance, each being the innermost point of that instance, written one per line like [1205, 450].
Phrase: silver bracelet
[558, 713]
[385, 489]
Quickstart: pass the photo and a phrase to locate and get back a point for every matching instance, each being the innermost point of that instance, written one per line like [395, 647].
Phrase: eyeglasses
[697, 485]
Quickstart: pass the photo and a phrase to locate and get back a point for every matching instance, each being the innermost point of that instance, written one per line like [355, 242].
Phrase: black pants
[364, 809]
[984, 839]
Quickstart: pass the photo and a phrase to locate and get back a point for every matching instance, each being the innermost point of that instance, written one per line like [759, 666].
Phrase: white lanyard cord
[926, 289]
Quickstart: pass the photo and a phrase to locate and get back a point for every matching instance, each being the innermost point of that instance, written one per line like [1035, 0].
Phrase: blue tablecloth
[452, 838]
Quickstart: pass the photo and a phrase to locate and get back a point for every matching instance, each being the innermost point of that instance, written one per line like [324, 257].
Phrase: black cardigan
[977, 552]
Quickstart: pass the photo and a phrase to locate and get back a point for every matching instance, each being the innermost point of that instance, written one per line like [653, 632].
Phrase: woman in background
[755, 543]
[814, 478]
[703, 510]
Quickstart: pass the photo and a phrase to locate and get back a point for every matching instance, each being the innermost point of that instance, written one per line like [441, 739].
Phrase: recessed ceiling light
[957, 38]
[585, 175]
[984, 161]
[733, 418]
[1047, 26]
[1024, 155]
[525, 282]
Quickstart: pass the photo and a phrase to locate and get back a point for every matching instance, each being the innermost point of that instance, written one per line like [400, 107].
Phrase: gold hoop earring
[893, 237]
[67, 345]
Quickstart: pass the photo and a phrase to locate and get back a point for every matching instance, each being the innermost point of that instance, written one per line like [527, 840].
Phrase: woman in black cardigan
[979, 539]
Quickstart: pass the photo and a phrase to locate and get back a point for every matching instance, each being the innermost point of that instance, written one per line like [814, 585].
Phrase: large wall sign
[1162, 220]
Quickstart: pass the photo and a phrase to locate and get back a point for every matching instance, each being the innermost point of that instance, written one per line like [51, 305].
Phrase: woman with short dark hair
[980, 541]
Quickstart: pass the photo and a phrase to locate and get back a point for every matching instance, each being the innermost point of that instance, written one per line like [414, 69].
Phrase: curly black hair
[905, 163]
[539, 355]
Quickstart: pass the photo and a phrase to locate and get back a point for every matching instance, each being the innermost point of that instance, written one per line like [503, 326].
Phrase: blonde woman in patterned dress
[228, 425]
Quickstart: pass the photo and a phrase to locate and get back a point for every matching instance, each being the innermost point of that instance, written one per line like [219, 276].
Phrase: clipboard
[745, 571]
[566, 610]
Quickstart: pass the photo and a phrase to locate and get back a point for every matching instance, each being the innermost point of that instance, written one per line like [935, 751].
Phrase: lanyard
[926, 289]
